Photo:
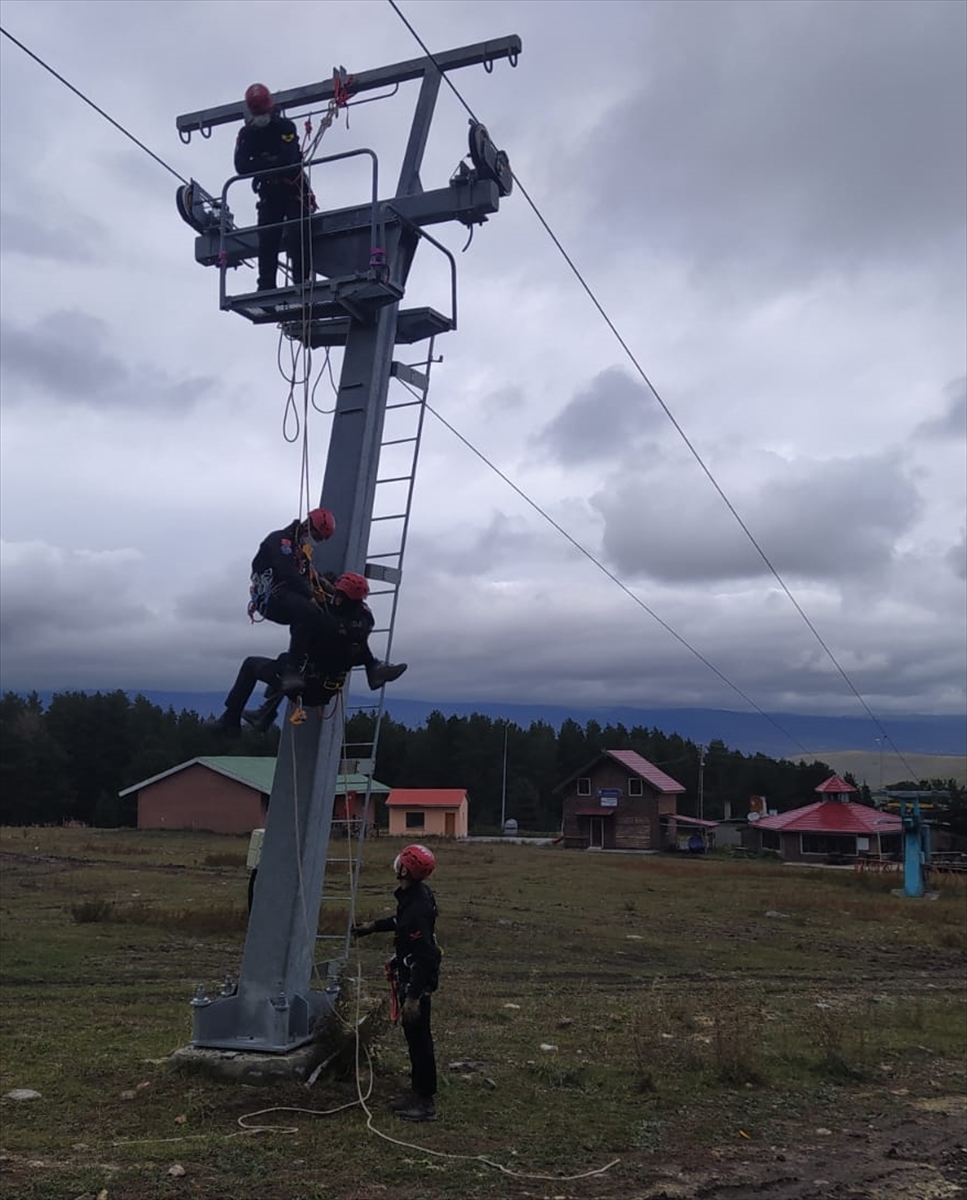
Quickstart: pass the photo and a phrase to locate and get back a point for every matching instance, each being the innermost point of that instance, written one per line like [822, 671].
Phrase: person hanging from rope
[333, 620]
[270, 142]
[414, 973]
[320, 687]
[337, 642]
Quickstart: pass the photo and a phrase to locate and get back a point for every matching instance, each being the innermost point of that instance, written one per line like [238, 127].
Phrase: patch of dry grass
[612, 1006]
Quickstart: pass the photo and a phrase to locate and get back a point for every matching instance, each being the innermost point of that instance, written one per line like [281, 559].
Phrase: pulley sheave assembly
[489, 162]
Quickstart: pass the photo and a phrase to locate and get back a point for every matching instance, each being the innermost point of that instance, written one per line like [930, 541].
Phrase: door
[596, 840]
[449, 824]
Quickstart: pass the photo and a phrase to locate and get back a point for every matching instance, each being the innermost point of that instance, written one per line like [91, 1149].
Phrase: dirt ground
[919, 1155]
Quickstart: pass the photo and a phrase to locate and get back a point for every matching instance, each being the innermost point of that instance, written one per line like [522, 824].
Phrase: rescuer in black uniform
[414, 971]
[320, 685]
[332, 620]
[265, 141]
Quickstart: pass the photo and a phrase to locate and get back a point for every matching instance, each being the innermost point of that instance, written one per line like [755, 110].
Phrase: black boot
[260, 720]
[378, 673]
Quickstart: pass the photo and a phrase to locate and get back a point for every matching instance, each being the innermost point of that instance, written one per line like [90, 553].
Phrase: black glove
[411, 1010]
[363, 930]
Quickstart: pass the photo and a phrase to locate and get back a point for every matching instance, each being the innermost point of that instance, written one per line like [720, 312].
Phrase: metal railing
[227, 227]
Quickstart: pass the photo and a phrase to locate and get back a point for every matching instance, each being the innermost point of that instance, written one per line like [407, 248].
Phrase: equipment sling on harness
[393, 979]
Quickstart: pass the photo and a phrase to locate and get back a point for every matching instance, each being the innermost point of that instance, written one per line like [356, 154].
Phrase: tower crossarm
[484, 53]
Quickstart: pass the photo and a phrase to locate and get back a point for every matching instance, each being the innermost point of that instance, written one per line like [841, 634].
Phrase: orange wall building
[428, 812]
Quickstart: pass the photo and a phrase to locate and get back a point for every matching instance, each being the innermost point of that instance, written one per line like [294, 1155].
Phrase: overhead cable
[671, 417]
[77, 92]
[624, 587]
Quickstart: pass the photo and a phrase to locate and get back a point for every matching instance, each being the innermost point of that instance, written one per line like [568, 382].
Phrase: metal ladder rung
[390, 517]
[404, 404]
[398, 442]
[394, 479]
[386, 554]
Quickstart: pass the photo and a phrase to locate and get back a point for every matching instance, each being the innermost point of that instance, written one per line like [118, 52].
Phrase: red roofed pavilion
[835, 786]
[829, 829]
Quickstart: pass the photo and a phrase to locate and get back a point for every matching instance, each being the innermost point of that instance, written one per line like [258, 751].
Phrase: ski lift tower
[360, 261]
[916, 847]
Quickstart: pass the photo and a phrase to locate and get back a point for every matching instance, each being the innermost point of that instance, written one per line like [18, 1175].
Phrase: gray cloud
[606, 419]
[799, 137]
[953, 422]
[52, 596]
[828, 520]
[956, 557]
[609, 651]
[716, 182]
[69, 237]
[64, 355]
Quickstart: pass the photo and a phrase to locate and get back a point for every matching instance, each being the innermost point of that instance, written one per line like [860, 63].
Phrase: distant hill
[750, 733]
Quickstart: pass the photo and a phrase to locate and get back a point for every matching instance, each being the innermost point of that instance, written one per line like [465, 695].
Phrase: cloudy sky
[768, 200]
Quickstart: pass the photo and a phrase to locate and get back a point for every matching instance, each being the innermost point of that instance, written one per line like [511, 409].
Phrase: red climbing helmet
[258, 100]
[356, 587]
[321, 523]
[416, 861]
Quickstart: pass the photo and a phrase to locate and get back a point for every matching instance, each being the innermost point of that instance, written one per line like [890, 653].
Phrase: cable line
[678, 428]
[624, 587]
[77, 92]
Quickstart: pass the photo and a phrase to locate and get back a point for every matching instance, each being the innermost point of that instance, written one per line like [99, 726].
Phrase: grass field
[701, 1022]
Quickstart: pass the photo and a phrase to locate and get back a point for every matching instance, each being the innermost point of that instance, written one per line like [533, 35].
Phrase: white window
[584, 787]
[635, 787]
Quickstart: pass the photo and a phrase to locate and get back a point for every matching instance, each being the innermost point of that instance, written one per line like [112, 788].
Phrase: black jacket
[350, 624]
[417, 955]
[281, 561]
[274, 145]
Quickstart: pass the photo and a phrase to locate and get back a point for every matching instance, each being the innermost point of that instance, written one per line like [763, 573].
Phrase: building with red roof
[428, 812]
[830, 829]
[621, 801]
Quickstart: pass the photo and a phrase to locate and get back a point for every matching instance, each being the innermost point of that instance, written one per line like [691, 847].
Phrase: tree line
[68, 760]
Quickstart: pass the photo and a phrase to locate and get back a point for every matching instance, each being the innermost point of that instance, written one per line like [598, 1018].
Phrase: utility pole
[701, 783]
[503, 785]
[362, 257]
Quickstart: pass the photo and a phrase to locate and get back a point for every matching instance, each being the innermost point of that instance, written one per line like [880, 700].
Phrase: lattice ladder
[399, 454]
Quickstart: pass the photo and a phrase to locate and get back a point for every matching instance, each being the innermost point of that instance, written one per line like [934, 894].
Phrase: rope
[362, 1096]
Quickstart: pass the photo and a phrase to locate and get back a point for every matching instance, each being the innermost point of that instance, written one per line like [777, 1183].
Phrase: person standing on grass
[414, 972]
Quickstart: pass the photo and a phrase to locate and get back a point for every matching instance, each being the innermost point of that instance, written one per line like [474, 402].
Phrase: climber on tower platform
[286, 203]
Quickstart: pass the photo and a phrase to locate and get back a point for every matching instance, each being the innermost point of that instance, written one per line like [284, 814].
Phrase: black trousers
[289, 204]
[252, 671]
[419, 1043]
[312, 631]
